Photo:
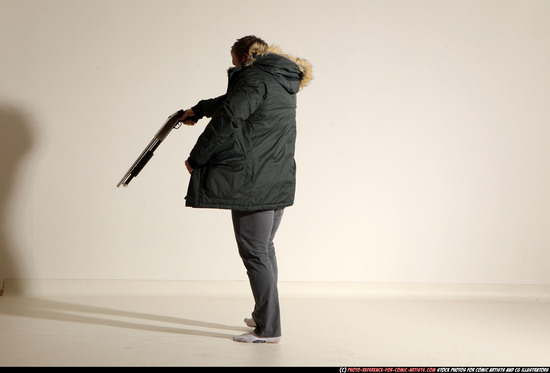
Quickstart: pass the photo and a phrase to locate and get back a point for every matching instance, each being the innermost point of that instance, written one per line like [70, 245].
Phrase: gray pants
[254, 232]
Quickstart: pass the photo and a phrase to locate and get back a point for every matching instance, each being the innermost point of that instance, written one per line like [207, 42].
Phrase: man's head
[240, 50]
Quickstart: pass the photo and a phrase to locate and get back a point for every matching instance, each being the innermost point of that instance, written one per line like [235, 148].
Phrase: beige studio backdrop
[423, 141]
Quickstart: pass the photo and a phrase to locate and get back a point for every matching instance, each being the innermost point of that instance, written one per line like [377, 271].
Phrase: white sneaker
[250, 322]
[251, 338]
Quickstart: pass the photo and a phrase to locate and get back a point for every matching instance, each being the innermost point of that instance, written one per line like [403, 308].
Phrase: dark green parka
[244, 159]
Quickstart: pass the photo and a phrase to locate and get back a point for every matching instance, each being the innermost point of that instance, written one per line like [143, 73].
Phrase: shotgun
[171, 123]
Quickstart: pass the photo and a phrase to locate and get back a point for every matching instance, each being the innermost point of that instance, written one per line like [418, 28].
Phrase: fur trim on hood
[259, 50]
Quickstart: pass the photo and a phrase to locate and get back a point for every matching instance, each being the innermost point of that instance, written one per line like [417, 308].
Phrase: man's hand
[189, 168]
[185, 118]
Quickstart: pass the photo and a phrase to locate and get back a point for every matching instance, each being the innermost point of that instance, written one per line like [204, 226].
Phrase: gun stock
[148, 153]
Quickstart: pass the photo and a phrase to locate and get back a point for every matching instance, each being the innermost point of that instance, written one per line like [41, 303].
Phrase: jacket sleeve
[246, 96]
[207, 108]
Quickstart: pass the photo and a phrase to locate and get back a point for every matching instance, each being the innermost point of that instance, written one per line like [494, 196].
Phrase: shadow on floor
[77, 313]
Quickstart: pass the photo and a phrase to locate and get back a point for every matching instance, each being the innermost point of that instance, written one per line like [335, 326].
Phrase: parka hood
[291, 72]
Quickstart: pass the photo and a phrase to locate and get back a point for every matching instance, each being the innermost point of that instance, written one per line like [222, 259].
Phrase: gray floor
[85, 326]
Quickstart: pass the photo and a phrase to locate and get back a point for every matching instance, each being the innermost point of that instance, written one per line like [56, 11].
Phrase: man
[244, 161]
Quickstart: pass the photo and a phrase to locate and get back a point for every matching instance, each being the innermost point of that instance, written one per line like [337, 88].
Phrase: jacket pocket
[226, 181]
